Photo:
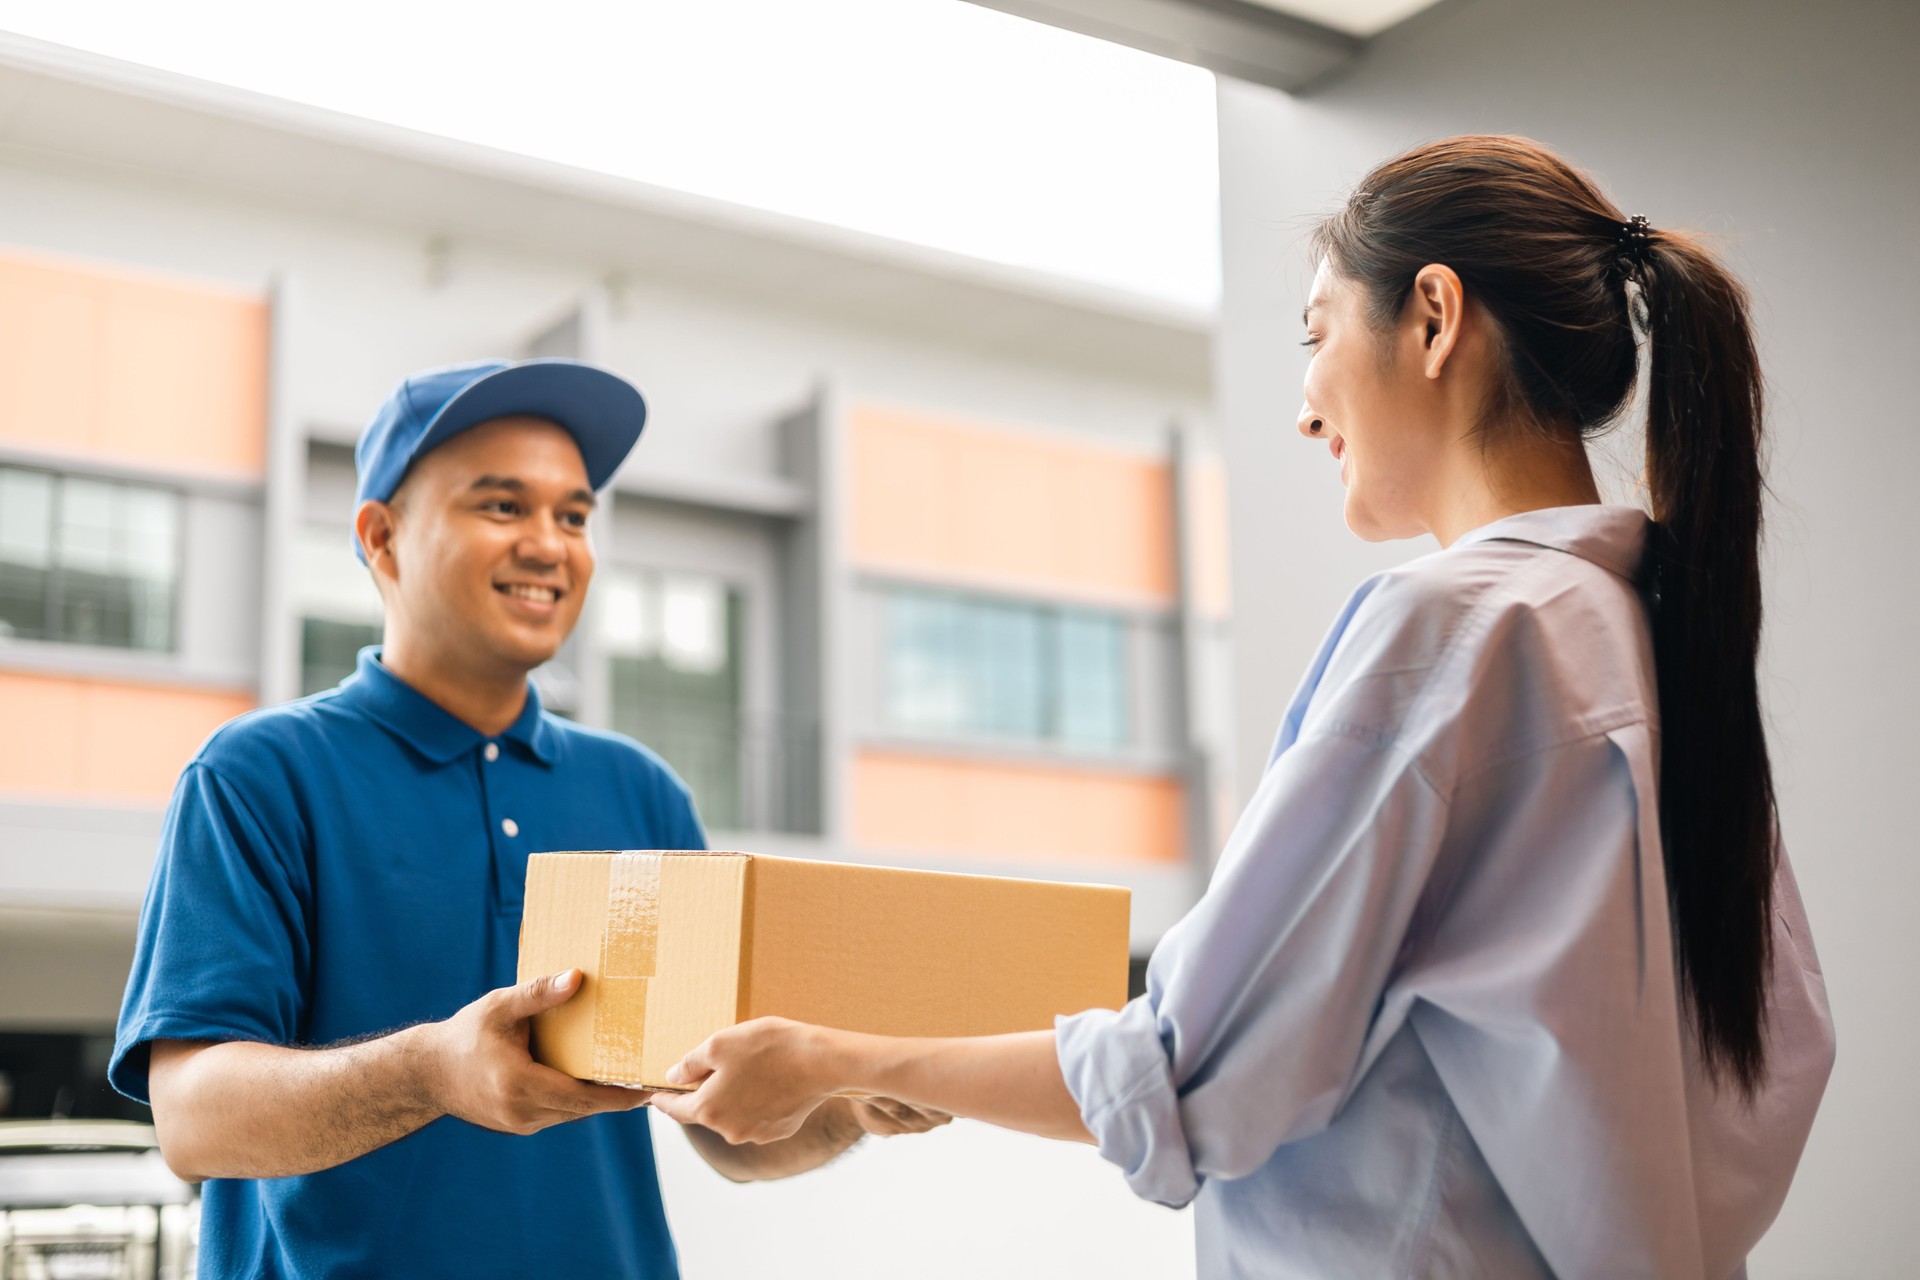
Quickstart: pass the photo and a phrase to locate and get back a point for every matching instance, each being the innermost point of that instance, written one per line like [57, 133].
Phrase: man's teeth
[540, 595]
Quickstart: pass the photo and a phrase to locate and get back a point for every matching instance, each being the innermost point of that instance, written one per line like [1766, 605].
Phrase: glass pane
[627, 614]
[23, 602]
[675, 664]
[964, 666]
[693, 624]
[149, 526]
[1002, 656]
[88, 537]
[26, 518]
[925, 688]
[1091, 680]
[98, 608]
[329, 582]
[329, 650]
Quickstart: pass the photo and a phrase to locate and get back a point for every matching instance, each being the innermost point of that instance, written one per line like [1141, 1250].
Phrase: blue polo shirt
[354, 862]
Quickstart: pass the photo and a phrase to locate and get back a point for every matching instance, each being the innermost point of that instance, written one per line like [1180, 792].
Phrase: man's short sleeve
[222, 951]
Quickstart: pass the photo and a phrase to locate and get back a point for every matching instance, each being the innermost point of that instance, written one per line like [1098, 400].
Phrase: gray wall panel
[1787, 130]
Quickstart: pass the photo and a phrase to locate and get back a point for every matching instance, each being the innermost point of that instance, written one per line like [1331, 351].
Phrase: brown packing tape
[633, 916]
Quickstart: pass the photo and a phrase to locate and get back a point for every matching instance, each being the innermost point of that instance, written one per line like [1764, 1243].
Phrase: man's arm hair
[233, 1109]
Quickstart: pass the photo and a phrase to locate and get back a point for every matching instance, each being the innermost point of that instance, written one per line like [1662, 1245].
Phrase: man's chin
[524, 651]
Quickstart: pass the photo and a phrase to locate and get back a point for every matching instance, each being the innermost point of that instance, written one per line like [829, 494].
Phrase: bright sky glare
[932, 121]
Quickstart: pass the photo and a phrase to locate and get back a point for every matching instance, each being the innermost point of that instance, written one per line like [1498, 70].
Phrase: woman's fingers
[675, 1106]
[696, 1066]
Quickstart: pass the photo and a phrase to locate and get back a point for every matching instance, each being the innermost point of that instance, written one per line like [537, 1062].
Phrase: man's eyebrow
[582, 496]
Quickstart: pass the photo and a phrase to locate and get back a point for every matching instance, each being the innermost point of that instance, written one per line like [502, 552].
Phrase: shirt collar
[425, 725]
[1610, 536]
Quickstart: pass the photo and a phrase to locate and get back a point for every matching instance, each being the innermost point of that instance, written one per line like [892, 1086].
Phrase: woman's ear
[1438, 305]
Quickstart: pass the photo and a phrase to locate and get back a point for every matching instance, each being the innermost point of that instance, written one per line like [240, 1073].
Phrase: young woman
[1503, 971]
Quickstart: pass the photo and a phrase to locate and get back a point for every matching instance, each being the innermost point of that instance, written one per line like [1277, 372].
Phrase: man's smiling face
[490, 556]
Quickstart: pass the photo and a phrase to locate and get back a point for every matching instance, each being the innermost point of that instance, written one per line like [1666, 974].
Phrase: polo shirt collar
[425, 725]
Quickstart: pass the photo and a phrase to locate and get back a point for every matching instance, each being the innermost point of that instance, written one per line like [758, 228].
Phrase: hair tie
[1635, 239]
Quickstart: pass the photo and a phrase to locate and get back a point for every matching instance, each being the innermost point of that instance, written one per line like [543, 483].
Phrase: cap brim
[603, 412]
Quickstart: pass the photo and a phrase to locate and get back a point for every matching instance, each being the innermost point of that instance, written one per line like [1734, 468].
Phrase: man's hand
[478, 1065]
[242, 1110]
[888, 1117]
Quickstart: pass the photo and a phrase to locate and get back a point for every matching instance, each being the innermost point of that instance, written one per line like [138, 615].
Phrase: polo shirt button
[509, 826]
[492, 752]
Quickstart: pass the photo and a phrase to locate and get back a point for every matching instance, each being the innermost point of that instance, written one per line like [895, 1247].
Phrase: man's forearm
[829, 1131]
[239, 1110]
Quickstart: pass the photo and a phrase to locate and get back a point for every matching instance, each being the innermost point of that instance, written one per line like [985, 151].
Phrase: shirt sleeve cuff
[127, 1071]
[1116, 1069]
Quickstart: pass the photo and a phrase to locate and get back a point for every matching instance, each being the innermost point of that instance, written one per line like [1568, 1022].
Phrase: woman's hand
[758, 1081]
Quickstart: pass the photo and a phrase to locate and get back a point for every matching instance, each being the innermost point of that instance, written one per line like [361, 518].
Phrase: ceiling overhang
[1236, 38]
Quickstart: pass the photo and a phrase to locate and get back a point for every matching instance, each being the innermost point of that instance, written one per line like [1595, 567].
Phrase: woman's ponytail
[1554, 263]
[1702, 573]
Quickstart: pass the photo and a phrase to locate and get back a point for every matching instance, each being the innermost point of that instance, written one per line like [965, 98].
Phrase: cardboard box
[676, 946]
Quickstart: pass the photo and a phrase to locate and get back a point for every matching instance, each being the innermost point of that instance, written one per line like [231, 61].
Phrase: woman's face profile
[1369, 402]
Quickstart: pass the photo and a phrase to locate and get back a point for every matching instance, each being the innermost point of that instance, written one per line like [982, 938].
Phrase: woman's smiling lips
[1339, 446]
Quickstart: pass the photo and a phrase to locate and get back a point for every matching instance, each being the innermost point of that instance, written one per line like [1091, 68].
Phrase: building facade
[921, 561]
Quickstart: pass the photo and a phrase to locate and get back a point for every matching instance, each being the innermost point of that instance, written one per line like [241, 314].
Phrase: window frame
[1047, 664]
[53, 602]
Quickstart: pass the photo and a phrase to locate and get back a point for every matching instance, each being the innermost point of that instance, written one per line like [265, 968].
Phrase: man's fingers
[557, 1091]
[537, 995]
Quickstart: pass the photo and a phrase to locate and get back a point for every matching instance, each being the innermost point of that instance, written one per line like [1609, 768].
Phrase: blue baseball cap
[602, 411]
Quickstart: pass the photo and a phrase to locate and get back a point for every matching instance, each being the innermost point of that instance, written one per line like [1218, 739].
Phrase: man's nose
[1312, 425]
[542, 544]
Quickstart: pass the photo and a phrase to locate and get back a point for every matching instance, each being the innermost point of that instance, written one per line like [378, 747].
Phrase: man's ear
[373, 524]
[1438, 306]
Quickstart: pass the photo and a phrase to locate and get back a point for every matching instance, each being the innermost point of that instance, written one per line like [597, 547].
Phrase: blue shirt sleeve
[1260, 1000]
[222, 951]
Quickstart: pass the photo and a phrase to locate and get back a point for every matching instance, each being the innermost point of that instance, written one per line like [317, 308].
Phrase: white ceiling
[1355, 17]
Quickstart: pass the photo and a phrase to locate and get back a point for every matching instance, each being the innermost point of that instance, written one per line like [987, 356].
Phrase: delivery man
[321, 1009]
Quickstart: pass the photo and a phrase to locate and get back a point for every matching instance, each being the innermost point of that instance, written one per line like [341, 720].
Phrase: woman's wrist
[838, 1064]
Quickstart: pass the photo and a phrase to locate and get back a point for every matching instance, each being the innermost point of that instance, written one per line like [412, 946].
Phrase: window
[88, 561]
[673, 644]
[329, 650]
[970, 666]
[340, 611]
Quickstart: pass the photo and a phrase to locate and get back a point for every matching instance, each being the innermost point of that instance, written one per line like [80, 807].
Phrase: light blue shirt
[1425, 1022]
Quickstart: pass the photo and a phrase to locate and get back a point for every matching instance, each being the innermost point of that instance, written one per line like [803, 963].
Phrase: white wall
[1788, 130]
[965, 1202]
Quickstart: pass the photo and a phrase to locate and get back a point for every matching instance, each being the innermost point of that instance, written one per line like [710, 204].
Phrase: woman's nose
[1312, 425]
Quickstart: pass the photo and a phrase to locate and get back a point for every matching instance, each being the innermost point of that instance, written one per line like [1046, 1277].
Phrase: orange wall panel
[98, 362]
[1000, 812]
[71, 739]
[995, 507]
[50, 336]
[1212, 553]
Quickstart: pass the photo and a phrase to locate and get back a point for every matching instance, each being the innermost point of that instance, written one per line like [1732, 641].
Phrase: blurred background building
[924, 559]
[921, 561]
